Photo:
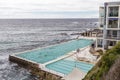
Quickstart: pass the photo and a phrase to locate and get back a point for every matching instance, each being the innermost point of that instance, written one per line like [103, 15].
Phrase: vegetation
[100, 52]
[102, 68]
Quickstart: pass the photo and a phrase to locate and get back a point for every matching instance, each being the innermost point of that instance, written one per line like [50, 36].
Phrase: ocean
[17, 35]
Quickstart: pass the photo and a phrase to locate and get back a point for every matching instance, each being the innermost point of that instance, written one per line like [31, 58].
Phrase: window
[113, 11]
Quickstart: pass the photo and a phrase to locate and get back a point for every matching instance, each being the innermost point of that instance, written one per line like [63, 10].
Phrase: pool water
[66, 66]
[50, 53]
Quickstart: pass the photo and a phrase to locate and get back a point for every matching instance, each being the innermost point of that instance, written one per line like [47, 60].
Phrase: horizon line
[49, 18]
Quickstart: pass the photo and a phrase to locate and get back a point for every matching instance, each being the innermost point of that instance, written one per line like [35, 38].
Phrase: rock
[114, 72]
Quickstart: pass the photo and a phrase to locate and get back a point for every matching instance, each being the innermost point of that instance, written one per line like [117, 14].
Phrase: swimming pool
[50, 53]
[66, 66]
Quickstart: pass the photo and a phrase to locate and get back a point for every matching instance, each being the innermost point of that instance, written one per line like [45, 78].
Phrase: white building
[109, 25]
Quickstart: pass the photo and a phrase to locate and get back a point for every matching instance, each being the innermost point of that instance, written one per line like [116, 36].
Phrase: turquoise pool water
[66, 66]
[50, 53]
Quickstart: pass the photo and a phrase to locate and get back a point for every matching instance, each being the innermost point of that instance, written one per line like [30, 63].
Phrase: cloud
[50, 8]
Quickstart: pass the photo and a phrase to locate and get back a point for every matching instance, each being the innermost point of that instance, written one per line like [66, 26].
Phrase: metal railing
[115, 14]
[113, 37]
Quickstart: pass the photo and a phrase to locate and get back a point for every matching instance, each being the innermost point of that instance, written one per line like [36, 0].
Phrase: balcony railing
[113, 37]
[113, 26]
[108, 37]
[113, 14]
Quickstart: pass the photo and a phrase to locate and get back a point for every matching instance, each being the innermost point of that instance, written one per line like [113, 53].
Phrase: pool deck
[39, 68]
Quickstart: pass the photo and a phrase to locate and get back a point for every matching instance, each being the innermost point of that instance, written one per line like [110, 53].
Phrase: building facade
[109, 25]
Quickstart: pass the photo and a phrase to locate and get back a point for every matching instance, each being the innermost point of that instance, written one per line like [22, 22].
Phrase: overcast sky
[50, 8]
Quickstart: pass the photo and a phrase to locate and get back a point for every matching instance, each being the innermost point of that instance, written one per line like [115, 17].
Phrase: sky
[50, 8]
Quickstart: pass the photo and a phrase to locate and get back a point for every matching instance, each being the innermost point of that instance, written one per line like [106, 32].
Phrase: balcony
[113, 11]
[113, 23]
[99, 43]
[110, 44]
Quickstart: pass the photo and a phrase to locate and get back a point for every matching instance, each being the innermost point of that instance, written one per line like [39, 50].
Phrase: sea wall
[34, 69]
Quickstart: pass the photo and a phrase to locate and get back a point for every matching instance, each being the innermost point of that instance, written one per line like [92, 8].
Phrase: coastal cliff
[108, 68]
